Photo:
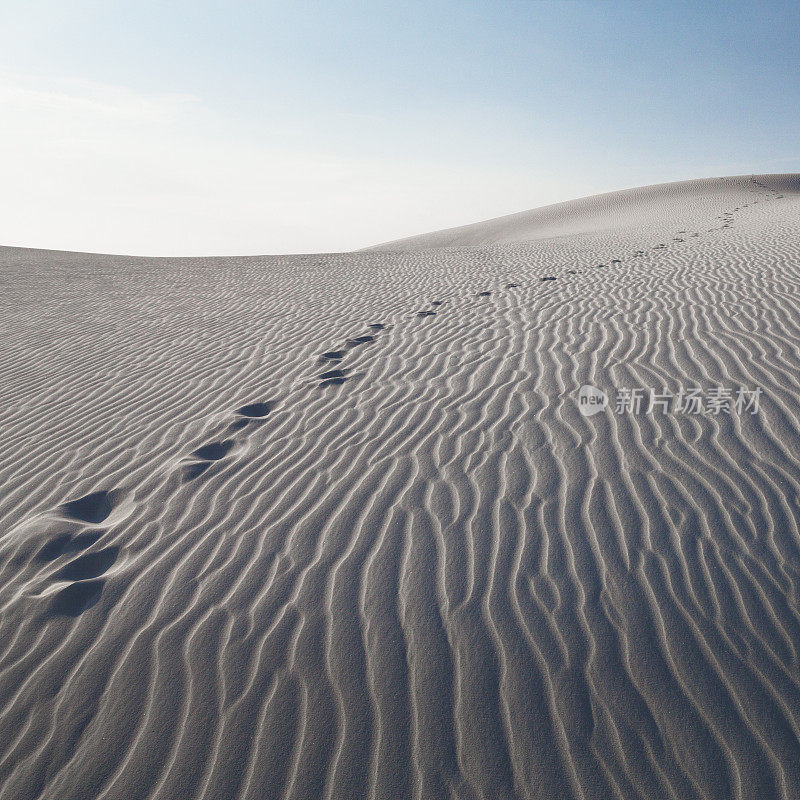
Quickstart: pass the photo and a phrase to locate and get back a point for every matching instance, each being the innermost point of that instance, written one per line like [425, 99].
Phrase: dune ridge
[333, 526]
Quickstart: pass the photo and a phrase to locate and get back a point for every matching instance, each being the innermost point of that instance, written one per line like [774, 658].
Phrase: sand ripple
[332, 526]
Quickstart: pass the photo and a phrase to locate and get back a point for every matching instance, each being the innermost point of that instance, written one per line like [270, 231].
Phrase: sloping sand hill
[337, 526]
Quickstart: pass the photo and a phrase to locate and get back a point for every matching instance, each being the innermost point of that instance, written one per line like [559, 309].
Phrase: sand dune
[334, 526]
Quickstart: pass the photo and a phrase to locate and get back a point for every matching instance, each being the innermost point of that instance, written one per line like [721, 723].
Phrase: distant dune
[615, 212]
[341, 526]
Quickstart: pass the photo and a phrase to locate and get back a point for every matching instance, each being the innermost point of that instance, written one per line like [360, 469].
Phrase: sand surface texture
[334, 526]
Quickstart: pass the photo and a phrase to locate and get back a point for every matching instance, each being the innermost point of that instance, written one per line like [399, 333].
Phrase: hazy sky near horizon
[190, 128]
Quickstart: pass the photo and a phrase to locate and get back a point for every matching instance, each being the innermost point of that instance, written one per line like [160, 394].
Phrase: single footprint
[358, 340]
[93, 508]
[206, 455]
[88, 565]
[512, 285]
[255, 410]
[426, 313]
[332, 373]
[249, 413]
[67, 543]
[549, 278]
[214, 451]
[192, 471]
[377, 326]
[333, 355]
[73, 600]
[436, 303]
[484, 294]
[332, 382]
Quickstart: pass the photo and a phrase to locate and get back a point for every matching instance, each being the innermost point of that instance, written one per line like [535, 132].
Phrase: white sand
[434, 579]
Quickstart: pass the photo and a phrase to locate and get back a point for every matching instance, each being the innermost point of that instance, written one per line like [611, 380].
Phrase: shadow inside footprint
[214, 451]
[484, 294]
[376, 326]
[74, 599]
[192, 471]
[66, 543]
[83, 540]
[332, 382]
[332, 373]
[89, 565]
[549, 278]
[512, 285]
[333, 355]
[54, 548]
[426, 313]
[92, 508]
[357, 340]
[255, 410]
[436, 302]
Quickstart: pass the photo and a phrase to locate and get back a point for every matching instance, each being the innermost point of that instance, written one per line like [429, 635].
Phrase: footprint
[192, 471]
[206, 455]
[332, 373]
[67, 543]
[54, 548]
[377, 326]
[333, 355]
[93, 508]
[357, 340]
[89, 565]
[484, 294]
[214, 451]
[73, 600]
[252, 412]
[255, 410]
[436, 303]
[83, 540]
[549, 278]
[426, 313]
[332, 382]
[512, 285]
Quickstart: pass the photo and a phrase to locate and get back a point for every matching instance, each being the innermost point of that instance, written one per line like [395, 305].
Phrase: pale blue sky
[243, 127]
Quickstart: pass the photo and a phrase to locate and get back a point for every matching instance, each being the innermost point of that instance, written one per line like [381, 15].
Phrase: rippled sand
[334, 525]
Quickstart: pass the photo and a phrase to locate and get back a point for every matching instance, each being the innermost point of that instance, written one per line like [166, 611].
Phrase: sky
[237, 127]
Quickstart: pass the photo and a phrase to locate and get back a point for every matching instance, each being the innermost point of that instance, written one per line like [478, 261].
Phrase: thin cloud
[92, 167]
